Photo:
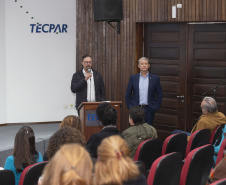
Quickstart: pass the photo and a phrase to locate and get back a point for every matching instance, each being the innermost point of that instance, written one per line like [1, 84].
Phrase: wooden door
[190, 59]
[165, 45]
[206, 67]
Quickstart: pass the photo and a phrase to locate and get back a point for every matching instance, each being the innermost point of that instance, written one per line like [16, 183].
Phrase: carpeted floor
[7, 135]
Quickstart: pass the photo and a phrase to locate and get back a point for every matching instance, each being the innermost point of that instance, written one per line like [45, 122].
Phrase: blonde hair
[114, 166]
[72, 121]
[71, 165]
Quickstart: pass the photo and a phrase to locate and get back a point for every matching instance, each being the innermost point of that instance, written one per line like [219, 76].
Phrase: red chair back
[212, 135]
[216, 133]
[175, 143]
[220, 154]
[197, 166]
[166, 170]
[197, 138]
[31, 174]
[138, 150]
[148, 151]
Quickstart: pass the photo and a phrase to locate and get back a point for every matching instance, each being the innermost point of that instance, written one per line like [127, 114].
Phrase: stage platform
[7, 136]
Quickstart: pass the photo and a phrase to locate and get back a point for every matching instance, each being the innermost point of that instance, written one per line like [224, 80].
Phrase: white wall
[39, 66]
[2, 63]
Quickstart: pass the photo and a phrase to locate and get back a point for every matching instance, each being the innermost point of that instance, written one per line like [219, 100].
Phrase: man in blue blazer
[144, 90]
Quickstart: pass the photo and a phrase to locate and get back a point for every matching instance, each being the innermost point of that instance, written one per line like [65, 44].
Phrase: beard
[88, 67]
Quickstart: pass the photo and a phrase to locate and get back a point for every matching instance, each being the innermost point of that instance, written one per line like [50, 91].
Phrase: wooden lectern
[87, 114]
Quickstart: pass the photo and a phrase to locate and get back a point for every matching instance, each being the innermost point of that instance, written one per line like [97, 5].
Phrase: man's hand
[88, 76]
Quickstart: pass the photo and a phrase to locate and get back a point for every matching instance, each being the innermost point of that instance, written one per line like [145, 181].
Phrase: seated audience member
[70, 165]
[210, 117]
[219, 172]
[138, 130]
[218, 142]
[114, 165]
[24, 152]
[63, 136]
[69, 121]
[107, 115]
[72, 121]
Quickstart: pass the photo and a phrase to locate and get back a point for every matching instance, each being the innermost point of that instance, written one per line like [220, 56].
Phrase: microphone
[89, 70]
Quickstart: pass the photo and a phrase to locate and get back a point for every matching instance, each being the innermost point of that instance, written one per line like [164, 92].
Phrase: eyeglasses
[87, 62]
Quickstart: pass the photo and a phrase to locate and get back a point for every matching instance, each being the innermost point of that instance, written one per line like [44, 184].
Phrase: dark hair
[84, 56]
[24, 151]
[63, 136]
[106, 114]
[72, 121]
[137, 114]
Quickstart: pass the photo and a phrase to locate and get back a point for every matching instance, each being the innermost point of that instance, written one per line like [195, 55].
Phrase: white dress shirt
[90, 88]
[143, 89]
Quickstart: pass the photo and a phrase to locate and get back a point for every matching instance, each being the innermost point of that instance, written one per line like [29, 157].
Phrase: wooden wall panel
[115, 55]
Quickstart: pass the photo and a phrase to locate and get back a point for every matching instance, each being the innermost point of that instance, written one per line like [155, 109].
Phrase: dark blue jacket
[154, 92]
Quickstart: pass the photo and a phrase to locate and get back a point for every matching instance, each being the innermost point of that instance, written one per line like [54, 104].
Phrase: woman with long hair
[114, 165]
[71, 165]
[63, 136]
[24, 152]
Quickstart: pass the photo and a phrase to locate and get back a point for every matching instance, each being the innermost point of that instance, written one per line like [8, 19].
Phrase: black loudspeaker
[107, 10]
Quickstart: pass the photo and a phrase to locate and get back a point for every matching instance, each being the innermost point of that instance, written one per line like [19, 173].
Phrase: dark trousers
[149, 116]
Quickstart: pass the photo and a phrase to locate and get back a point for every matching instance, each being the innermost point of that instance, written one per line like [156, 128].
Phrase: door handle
[180, 96]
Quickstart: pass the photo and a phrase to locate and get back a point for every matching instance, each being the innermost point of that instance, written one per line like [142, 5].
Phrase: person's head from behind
[114, 165]
[136, 115]
[72, 121]
[64, 136]
[106, 114]
[24, 151]
[208, 105]
[71, 165]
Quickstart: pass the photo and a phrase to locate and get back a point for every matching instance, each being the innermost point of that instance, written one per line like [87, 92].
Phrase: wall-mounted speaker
[107, 10]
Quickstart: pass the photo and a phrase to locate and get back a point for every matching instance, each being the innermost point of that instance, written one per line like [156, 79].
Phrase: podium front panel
[90, 122]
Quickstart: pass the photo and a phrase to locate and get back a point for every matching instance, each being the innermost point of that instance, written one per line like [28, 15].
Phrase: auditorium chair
[148, 151]
[197, 138]
[220, 154]
[216, 133]
[7, 177]
[31, 174]
[166, 170]
[219, 182]
[141, 167]
[197, 166]
[175, 143]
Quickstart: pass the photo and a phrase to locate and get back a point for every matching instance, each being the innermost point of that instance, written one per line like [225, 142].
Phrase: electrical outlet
[71, 106]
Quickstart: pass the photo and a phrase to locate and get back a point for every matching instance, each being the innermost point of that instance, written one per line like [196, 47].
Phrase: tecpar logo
[48, 28]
